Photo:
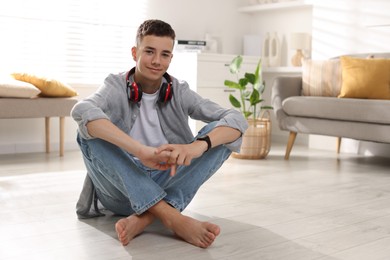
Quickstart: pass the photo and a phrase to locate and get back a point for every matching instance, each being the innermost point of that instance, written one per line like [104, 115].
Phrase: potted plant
[257, 139]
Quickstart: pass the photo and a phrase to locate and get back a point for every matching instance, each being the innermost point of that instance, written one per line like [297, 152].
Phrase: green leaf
[232, 84]
[254, 98]
[258, 76]
[246, 94]
[261, 87]
[243, 82]
[235, 65]
[247, 114]
[234, 101]
[250, 77]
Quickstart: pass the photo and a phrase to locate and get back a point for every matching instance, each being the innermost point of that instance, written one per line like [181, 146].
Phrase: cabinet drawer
[215, 73]
[218, 95]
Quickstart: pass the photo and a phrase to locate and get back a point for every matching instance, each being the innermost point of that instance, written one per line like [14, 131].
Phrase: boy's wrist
[205, 138]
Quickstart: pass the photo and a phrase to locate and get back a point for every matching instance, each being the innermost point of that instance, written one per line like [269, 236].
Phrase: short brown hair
[154, 27]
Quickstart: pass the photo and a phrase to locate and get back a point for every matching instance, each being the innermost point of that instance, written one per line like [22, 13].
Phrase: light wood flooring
[317, 205]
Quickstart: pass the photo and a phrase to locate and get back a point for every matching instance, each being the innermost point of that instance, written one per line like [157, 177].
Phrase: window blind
[78, 41]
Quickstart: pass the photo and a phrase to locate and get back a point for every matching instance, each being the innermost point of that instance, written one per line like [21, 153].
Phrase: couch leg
[338, 144]
[47, 134]
[291, 140]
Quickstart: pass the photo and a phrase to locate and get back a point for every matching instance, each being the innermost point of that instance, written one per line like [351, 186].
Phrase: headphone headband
[134, 90]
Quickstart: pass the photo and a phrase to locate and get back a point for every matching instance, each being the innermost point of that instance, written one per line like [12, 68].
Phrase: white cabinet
[213, 70]
[210, 70]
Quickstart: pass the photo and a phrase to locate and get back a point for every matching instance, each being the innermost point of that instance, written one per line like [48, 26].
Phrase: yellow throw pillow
[48, 87]
[365, 78]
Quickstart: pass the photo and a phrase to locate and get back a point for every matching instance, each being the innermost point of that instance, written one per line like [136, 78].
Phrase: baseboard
[35, 147]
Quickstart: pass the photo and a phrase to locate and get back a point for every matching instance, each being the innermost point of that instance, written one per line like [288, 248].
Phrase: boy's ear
[134, 53]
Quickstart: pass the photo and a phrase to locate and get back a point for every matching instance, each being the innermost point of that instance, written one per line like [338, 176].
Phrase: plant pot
[256, 141]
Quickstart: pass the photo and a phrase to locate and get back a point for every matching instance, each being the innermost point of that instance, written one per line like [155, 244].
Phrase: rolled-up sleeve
[84, 112]
[97, 105]
[237, 122]
[208, 111]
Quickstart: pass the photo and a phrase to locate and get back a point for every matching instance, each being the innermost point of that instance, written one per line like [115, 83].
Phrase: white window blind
[78, 41]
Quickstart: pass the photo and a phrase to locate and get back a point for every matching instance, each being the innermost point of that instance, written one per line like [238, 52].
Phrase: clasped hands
[170, 155]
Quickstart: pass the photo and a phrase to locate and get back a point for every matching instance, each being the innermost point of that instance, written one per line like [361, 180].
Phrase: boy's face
[152, 56]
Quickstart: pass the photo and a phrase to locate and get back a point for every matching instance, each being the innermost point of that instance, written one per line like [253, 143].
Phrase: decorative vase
[256, 141]
[266, 51]
[275, 56]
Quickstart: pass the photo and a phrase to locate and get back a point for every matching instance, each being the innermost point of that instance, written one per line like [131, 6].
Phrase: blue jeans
[125, 186]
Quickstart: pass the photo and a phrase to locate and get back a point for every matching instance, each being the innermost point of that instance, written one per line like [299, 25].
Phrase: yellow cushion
[48, 87]
[365, 78]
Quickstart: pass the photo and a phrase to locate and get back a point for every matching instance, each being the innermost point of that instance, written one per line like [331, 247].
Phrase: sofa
[343, 97]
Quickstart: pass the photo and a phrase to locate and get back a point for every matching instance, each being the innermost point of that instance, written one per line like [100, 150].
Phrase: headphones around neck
[134, 90]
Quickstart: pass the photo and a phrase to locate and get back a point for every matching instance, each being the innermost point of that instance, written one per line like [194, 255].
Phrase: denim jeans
[125, 186]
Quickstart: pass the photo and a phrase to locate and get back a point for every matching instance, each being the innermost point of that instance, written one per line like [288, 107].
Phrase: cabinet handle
[229, 90]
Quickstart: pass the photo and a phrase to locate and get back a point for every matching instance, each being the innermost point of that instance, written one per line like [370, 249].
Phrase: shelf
[274, 6]
[282, 70]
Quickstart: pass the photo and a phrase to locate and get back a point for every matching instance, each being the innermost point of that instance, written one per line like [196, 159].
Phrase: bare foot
[130, 227]
[195, 232]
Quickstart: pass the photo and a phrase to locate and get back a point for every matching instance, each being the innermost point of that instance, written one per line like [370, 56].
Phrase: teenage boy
[142, 159]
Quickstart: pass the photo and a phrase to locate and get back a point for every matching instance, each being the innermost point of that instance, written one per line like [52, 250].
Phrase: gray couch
[361, 119]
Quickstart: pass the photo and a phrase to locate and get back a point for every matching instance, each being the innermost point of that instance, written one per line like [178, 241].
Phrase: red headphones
[134, 90]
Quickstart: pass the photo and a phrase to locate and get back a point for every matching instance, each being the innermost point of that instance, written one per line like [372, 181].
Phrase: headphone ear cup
[134, 92]
[166, 93]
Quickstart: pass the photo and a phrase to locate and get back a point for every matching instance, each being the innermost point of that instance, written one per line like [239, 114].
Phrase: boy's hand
[153, 159]
[181, 154]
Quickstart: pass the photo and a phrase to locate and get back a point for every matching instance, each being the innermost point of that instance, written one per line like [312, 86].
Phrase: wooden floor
[316, 206]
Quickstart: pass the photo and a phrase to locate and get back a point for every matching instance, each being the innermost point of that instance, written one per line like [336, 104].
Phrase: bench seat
[39, 108]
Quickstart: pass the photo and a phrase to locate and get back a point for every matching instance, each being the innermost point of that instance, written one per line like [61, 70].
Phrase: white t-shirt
[147, 128]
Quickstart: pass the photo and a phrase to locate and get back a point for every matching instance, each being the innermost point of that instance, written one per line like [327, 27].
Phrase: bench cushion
[36, 107]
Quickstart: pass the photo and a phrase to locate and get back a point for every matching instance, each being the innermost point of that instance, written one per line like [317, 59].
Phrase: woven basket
[256, 141]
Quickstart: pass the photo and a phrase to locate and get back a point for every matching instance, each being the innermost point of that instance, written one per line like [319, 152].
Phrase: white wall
[348, 26]
[283, 22]
[193, 19]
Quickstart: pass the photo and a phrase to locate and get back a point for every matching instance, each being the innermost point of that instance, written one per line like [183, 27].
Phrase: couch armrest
[282, 88]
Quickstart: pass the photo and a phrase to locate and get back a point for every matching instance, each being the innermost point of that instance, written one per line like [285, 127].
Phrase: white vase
[275, 57]
[211, 44]
[266, 50]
